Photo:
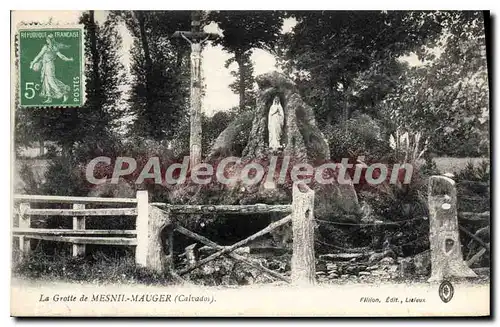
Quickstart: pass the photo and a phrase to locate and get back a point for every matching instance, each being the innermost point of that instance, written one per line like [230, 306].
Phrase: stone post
[446, 254]
[150, 222]
[303, 259]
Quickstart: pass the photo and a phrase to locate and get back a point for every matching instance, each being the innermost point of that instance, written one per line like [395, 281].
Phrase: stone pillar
[446, 254]
[151, 221]
[303, 259]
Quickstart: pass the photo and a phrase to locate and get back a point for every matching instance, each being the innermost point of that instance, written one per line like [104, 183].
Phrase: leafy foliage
[159, 92]
[328, 50]
[243, 31]
[447, 99]
[360, 136]
[479, 173]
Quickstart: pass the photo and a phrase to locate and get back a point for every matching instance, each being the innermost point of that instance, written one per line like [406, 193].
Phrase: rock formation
[247, 138]
[302, 141]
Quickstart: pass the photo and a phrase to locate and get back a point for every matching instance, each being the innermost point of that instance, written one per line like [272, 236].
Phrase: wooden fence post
[141, 250]
[446, 254]
[150, 222]
[78, 224]
[24, 222]
[303, 259]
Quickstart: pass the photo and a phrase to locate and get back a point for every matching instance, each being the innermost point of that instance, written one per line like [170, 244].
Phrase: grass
[96, 268]
[99, 267]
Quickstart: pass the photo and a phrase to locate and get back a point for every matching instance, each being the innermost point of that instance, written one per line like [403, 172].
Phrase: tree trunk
[96, 80]
[141, 19]
[238, 56]
[329, 101]
[345, 107]
[66, 151]
[96, 101]
[144, 41]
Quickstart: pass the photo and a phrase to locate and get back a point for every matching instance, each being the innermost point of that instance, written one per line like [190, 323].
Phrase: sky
[217, 78]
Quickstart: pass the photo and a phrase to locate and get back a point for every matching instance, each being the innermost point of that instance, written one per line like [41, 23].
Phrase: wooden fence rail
[79, 236]
[79, 210]
[153, 218]
[62, 232]
[71, 199]
[474, 216]
[239, 209]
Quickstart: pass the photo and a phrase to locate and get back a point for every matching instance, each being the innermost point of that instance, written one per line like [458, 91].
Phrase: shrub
[359, 136]
[477, 173]
[473, 190]
[404, 204]
[429, 168]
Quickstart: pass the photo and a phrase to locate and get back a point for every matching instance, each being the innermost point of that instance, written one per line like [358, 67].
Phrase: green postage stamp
[51, 65]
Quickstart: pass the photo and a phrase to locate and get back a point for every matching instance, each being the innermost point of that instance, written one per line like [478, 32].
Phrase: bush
[29, 181]
[473, 190]
[429, 168]
[477, 173]
[359, 136]
[405, 204]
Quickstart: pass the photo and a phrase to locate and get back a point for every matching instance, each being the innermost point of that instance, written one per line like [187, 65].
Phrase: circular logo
[446, 291]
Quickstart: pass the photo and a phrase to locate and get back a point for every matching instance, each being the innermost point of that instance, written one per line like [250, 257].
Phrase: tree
[243, 31]
[104, 78]
[447, 98]
[84, 132]
[160, 69]
[68, 127]
[329, 50]
[244, 79]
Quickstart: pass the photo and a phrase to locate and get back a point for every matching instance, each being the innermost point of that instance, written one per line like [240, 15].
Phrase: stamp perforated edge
[36, 26]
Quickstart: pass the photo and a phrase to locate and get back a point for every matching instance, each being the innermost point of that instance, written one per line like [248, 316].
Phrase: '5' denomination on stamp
[51, 66]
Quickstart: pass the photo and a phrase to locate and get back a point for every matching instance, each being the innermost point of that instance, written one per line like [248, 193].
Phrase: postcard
[250, 163]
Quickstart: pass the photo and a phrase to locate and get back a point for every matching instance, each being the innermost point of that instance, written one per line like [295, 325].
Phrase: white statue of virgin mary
[275, 124]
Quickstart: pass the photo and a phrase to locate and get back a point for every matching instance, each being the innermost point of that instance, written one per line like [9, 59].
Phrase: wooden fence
[153, 218]
[478, 216]
[79, 236]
